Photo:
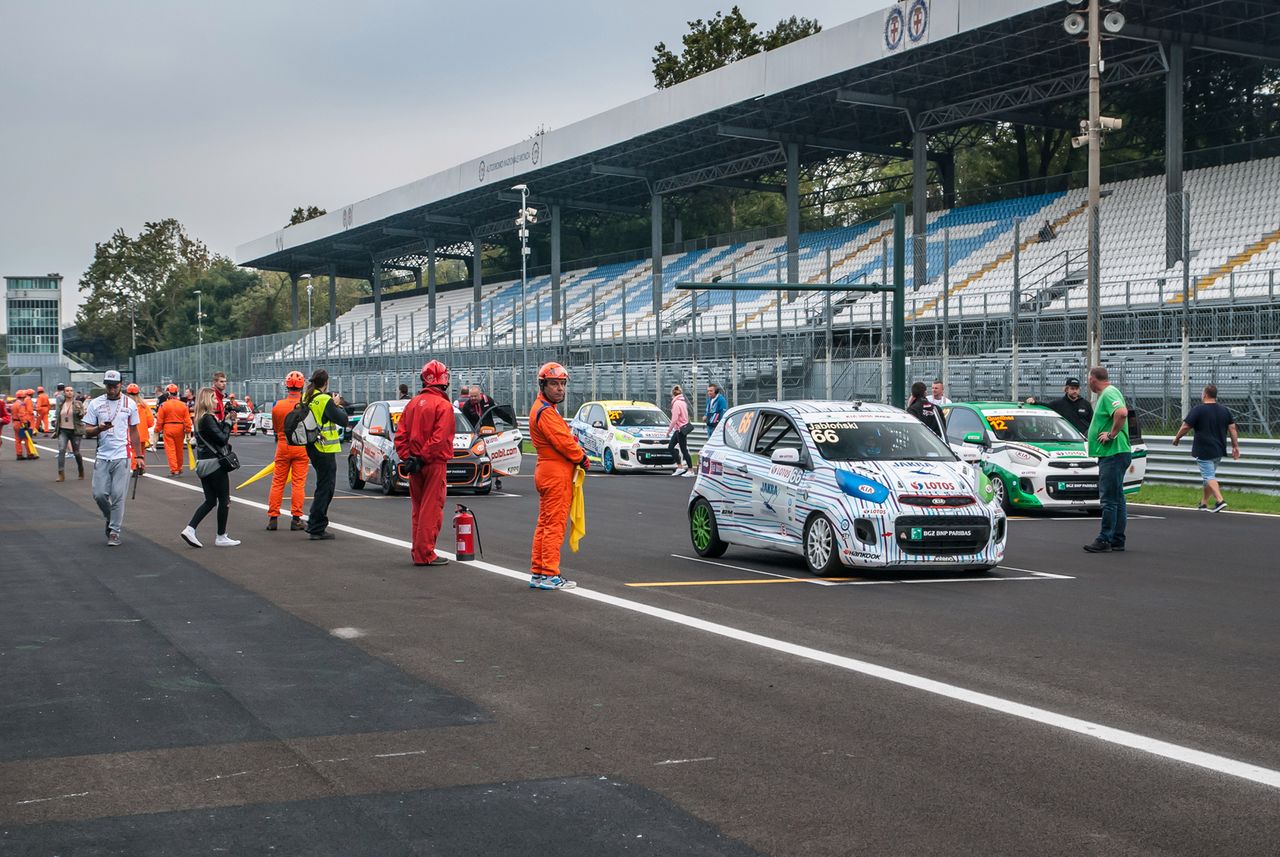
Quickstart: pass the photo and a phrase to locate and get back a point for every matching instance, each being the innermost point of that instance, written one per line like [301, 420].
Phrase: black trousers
[680, 440]
[325, 465]
[217, 492]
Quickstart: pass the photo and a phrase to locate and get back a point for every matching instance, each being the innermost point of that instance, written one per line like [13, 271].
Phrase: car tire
[821, 546]
[353, 474]
[607, 461]
[1002, 493]
[703, 532]
[388, 480]
[484, 490]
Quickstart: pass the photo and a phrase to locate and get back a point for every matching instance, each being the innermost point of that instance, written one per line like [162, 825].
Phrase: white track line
[1120, 737]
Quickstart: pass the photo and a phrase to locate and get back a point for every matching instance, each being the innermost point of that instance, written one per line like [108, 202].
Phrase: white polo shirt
[121, 413]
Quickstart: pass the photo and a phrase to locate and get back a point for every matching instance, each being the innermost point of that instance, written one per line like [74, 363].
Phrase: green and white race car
[1034, 458]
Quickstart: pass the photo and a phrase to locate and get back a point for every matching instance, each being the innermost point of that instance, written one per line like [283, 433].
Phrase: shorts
[1208, 468]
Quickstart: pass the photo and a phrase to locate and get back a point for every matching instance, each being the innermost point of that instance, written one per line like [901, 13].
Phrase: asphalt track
[330, 698]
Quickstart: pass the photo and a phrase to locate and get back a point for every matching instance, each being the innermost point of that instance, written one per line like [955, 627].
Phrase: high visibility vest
[330, 439]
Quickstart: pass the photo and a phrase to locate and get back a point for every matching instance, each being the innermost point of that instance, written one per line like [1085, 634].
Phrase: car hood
[644, 432]
[928, 478]
[463, 440]
[1049, 451]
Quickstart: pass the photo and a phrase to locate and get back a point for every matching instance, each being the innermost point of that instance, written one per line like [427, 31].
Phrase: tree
[302, 215]
[724, 39]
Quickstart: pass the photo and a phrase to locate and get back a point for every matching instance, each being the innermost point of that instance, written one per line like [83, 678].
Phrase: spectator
[1211, 423]
[1109, 443]
[112, 419]
[404, 392]
[212, 441]
[938, 396]
[678, 433]
[219, 390]
[1072, 407]
[716, 407]
[925, 411]
[69, 420]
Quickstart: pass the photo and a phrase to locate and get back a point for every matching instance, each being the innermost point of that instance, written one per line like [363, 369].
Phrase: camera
[410, 466]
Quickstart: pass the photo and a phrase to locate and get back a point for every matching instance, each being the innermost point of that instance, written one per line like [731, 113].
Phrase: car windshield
[1032, 427]
[462, 425]
[633, 417]
[852, 440]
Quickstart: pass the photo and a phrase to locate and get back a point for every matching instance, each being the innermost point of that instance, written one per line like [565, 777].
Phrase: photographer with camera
[331, 419]
[424, 445]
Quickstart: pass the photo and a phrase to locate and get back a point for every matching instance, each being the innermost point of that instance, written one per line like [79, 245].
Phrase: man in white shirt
[938, 397]
[112, 419]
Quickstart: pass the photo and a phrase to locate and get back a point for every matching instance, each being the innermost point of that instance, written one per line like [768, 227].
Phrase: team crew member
[291, 461]
[478, 408]
[145, 421]
[1073, 407]
[558, 455]
[69, 421]
[716, 406]
[1109, 443]
[331, 418]
[925, 411]
[42, 410]
[425, 437]
[4, 414]
[23, 419]
[174, 421]
[113, 420]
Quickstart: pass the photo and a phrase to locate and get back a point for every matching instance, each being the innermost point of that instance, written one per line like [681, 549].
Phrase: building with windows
[34, 309]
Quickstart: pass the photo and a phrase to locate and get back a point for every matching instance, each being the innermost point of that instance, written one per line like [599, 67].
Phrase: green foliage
[724, 39]
[302, 215]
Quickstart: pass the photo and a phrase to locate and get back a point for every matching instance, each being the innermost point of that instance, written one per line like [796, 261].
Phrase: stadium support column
[655, 236]
[793, 216]
[293, 301]
[1173, 156]
[333, 301]
[375, 280]
[431, 284]
[477, 280]
[919, 206]
[555, 265]
[898, 395]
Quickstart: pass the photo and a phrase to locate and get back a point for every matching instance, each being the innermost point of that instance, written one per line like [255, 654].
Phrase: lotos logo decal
[933, 486]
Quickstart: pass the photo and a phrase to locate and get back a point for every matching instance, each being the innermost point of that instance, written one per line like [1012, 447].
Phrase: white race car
[842, 484]
[623, 435]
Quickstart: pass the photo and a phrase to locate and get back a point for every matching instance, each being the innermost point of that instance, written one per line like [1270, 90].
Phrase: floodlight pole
[1094, 331]
[200, 335]
[898, 395]
[523, 222]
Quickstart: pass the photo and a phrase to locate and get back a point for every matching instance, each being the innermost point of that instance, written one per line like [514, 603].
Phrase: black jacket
[929, 414]
[212, 435]
[1079, 413]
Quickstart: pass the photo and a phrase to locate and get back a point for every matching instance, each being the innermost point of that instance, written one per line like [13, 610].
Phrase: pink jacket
[679, 414]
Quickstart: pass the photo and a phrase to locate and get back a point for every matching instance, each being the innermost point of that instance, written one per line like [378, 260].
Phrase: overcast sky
[228, 114]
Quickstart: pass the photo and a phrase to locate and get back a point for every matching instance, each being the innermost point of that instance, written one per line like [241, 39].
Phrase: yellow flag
[31, 447]
[191, 457]
[271, 465]
[577, 511]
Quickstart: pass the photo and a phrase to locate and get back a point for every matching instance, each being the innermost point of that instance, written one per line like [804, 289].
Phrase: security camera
[1073, 24]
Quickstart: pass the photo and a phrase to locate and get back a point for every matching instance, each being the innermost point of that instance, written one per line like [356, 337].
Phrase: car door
[960, 422]
[726, 476]
[775, 488]
[1138, 465]
[504, 446]
[373, 428]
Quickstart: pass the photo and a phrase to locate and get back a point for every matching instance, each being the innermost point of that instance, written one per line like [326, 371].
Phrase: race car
[262, 422]
[842, 484]
[623, 436]
[1034, 457]
[372, 455]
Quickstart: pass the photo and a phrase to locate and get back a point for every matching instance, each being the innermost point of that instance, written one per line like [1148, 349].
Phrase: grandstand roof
[861, 86]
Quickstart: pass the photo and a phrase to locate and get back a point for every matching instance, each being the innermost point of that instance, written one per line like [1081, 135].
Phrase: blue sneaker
[556, 582]
[535, 581]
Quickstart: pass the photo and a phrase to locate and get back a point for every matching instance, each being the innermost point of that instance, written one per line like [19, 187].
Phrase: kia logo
[939, 501]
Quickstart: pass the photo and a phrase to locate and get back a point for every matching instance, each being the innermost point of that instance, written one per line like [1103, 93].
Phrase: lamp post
[522, 224]
[199, 336]
[310, 288]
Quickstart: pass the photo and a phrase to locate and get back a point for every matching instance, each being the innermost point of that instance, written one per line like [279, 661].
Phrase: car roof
[396, 405]
[811, 410]
[1006, 406]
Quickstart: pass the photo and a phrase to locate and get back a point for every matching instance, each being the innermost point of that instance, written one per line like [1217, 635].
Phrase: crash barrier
[1257, 470]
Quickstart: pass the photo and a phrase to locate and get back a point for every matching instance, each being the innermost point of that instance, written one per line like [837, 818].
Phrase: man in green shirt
[1109, 443]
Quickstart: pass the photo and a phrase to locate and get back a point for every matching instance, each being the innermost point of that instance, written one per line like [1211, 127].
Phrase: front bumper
[643, 456]
[911, 541]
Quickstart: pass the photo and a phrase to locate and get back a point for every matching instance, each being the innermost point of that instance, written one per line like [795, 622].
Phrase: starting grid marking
[776, 577]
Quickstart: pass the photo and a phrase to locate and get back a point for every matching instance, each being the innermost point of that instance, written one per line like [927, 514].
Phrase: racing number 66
[825, 436]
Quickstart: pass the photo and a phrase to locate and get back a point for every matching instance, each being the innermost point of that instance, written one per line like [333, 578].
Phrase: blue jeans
[1111, 471]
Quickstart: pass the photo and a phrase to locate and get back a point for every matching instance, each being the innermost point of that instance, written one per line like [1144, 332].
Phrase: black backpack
[300, 426]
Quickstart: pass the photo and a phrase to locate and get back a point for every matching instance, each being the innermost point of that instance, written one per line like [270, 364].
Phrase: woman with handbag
[214, 463]
[678, 432]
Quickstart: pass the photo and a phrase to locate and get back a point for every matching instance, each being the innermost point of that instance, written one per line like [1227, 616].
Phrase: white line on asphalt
[1223, 512]
[743, 568]
[1046, 574]
[1064, 722]
[685, 761]
[1033, 575]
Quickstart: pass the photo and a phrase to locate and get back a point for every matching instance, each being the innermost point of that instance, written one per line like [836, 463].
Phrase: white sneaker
[678, 471]
[189, 536]
[225, 542]
[688, 474]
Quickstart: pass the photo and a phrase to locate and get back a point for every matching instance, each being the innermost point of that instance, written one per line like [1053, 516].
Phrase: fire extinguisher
[466, 534]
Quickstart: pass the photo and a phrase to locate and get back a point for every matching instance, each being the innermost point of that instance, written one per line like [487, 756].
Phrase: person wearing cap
[425, 438]
[69, 420]
[1073, 407]
[112, 419]
[291, 462]
[24, 419]
[558, 457]
[42, 411]
[173, 421]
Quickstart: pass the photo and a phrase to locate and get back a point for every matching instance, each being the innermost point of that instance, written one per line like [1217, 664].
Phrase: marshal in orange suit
[291, 461]
[174, 422]
[558, 455]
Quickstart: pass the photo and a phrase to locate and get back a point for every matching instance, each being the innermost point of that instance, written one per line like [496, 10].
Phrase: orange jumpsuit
[42, 411]
[23, 427]
[291, 462]
[145, 421]
[558, 455]
[174, 421]
[426, 430]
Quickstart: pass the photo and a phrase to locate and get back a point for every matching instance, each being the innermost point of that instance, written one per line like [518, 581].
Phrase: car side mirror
[975, 438]
[598, 424]
[786, 456]
[376, 430]
[487, 430]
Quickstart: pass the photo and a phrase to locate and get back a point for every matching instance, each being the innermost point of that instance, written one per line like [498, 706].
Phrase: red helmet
[294, 381]
[132, 389]
[552, 372]
[172, 389]
[435, 374]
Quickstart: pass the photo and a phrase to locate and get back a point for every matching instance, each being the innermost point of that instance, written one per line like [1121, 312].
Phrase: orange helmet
[132, 389]
[40, 389]
[294, 381]
[22, 394]
[435, 374]
[172, 389]
[552, 372]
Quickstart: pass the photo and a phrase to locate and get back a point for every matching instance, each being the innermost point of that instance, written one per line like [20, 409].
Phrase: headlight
[479, 448]
[623, 437]
[867, 490]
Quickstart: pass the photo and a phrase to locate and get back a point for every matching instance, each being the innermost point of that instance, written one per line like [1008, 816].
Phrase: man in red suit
[424, 439]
